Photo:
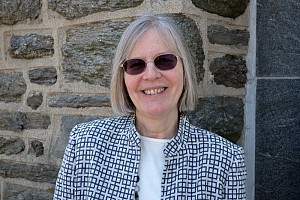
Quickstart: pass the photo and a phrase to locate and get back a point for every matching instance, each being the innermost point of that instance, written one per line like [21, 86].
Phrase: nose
[151, 72]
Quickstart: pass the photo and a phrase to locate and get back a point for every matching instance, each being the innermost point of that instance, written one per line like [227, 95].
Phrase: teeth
[154, 91]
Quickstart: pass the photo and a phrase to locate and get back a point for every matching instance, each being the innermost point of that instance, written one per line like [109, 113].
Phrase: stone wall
[55, 59]
[277, 152]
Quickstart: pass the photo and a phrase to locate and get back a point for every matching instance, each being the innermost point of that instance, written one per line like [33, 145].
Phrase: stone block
[94, 46]
[193, 39]
[35, 100]
[37, 148]
[13, 11]
[19, 192]
[229, 70]
[12, 121]
[218, 34]
[278, 53]
[277, 140]
[67, 123]
[12, 87]
[31, 46]
[78, 101]
[37, 121]
[221, 115]
[43, 76]
[36, 173]
[11, 146]
[225, 8]
[18, 121]
[75, 9]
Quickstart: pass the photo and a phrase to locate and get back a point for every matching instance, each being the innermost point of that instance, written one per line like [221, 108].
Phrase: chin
[156, 111]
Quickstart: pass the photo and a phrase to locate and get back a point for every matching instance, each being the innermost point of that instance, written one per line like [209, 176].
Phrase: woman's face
[154, 92]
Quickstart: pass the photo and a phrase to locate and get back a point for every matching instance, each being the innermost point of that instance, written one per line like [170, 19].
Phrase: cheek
[127, 81]
[130, 83]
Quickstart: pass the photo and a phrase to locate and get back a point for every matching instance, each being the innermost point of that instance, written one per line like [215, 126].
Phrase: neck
[162, 127]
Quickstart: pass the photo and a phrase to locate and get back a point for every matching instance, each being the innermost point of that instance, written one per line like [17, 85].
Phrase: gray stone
[36, 173]
[225, 8]
[35, 100]
[277, 154]
[229, 70]
[278, 44]
[11, 146]
[19, 192]
[193, 39]
[18, 121]
[13, 11]
[221, 115]
[77, 101]
[71, 9]
[37, 148]
[94, 46]
[31, 46]
[12, 87]
[43, 76]
[12, 121]
[37, 121]
[67, 123]
[218, 34]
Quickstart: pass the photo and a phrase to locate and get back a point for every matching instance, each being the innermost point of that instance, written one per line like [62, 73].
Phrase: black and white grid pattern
[102, 160]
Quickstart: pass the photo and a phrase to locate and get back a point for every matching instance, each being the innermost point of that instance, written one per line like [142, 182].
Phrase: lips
[154, 91]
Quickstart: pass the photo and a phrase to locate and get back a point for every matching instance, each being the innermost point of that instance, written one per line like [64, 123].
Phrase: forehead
[155, 42]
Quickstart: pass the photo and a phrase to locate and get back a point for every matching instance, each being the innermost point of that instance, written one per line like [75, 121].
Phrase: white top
[151, 168]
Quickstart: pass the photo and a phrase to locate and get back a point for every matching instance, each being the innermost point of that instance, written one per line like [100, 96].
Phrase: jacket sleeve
[65, 184]
[235, 183]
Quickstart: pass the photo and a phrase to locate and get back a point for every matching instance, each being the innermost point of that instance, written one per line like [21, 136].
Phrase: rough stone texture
[12, 87]
[37, 148]
[194, 41]
[221, 115]
[77, 101]
[71, 9]
[94, 46]
[31, 46]
[225, 8]
[11, 146]
[36, 173]
[218, 34]
[43, 76]
[277, 156]
[229, 70]
[12, 11]
[35, 100]
[18, 121]
[67, 123]
[18, 192]
[278, 52]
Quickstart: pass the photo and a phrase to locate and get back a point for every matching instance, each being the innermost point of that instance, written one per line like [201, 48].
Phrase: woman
[152, 152]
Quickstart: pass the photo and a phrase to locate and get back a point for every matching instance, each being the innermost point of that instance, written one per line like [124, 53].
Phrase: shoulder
[213, 142]
[104, 126]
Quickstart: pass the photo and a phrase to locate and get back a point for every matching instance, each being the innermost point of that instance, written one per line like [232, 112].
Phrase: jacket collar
[132, 134]
[173, 146]
[180, 139]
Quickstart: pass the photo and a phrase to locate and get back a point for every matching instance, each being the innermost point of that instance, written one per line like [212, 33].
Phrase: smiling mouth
[154, 91]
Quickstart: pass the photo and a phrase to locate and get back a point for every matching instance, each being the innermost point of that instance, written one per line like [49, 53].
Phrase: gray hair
[173, 39]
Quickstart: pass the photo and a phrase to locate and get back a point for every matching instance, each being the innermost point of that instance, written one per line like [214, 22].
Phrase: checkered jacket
[101, 161]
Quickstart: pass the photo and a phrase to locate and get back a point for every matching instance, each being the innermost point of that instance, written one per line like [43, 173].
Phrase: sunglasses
[138, 66]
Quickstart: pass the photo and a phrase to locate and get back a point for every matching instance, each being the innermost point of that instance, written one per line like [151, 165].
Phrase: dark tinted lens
[134, 66]
[165, 62]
